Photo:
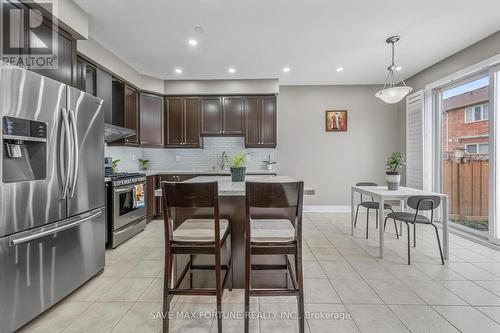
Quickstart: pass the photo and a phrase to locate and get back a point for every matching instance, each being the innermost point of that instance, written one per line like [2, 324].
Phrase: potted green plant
[143, 164]
[237, 164]
[114, 166]
[270, 164]
[394, 162]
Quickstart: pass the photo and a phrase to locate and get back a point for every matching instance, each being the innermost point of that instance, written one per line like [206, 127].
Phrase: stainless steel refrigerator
[52, 220]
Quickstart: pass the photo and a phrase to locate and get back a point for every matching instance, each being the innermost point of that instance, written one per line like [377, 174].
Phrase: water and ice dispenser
[25, 150]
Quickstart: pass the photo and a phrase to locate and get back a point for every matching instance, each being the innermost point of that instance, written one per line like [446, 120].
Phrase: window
[476, 113]
[476, 148]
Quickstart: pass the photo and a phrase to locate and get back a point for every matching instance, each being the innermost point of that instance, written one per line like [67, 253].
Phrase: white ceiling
[312, 37]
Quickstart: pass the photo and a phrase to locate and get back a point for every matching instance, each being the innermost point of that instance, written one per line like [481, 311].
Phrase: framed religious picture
[336, 120]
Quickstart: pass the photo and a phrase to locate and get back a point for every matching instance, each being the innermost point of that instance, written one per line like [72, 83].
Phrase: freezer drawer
[42, 266]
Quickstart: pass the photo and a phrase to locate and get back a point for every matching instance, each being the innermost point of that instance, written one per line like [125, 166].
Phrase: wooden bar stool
[274, 237]
[194, 236]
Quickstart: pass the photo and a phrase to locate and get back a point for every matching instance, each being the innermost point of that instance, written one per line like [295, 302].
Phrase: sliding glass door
[464, 110]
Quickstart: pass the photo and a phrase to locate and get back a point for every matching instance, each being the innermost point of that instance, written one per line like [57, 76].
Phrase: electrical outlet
[177, 158]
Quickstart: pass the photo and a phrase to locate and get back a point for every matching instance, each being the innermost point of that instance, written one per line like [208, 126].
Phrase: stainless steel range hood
[113, 133]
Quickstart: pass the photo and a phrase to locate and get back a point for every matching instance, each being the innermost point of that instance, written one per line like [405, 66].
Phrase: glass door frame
[494, 158]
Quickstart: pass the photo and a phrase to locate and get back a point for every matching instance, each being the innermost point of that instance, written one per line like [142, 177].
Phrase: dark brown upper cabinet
[86, 77]
[151, 120]
[211, 116]
[104, 83]
[132, 120]
[222, 116]
[260, 122]
[182, 122]
[233, 116]
[125, 110]
[38, 33]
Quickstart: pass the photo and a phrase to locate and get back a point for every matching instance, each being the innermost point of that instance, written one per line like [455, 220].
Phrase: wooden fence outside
[466, 183]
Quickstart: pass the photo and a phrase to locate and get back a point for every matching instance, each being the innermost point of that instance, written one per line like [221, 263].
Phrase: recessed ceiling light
[199, 29]
[340, 69]
[398, 68]
[193, 42]
[178, 70]
[286, 69]
[231, 70]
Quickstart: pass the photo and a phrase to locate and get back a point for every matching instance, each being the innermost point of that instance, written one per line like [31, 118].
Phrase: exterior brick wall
[457, 129]
[456, 133]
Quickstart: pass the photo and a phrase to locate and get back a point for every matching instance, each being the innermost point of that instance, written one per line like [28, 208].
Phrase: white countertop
[229, 188]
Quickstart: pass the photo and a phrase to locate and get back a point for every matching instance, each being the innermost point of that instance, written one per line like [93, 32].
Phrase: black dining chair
[419, 203]
[371, 205]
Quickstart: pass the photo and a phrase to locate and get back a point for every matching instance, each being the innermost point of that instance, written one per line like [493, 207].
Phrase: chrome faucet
[224, 156]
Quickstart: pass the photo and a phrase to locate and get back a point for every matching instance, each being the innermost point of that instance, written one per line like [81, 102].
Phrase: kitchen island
[232, 208]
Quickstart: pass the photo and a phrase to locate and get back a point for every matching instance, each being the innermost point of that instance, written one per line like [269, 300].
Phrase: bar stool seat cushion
[272, 231]
[199, 230]
[408, 217]
[374, 205]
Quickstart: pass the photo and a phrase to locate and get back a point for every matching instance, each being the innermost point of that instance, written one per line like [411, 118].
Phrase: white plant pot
[270, 167]
[393, 182]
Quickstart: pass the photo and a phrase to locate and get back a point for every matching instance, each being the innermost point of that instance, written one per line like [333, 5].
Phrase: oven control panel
[128, 181]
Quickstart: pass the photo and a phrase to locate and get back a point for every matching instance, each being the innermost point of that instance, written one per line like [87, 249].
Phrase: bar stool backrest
[274, 195]
[190, 195]
[288, 196]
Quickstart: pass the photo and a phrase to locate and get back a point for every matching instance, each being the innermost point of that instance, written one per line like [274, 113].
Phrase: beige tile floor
[347, 288]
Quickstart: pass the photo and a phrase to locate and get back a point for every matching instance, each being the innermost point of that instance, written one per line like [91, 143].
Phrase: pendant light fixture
[392, 92]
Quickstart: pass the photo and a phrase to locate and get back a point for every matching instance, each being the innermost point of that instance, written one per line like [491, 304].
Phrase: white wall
[484, 49]
[220, 87]
[107, 59]
[331, 161]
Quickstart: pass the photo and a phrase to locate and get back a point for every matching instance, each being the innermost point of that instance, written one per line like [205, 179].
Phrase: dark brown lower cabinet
[151, 206]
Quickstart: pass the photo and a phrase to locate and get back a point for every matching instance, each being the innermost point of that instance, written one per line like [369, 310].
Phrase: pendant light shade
[392, 92]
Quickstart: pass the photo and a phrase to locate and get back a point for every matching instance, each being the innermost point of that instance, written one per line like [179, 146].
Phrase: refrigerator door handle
[17, 241]
[65, 143]
[76, 153]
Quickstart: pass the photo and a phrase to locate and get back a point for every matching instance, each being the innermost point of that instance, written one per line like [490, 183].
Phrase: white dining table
[382, 194]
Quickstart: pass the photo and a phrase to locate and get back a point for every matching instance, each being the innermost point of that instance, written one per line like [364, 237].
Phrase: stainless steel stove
[126, 203]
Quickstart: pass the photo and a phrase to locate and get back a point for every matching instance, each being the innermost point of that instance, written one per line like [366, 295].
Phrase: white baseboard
[327, 209]
[332, 209]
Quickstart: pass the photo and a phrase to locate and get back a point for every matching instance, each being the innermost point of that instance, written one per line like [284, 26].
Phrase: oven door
[129, 204]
